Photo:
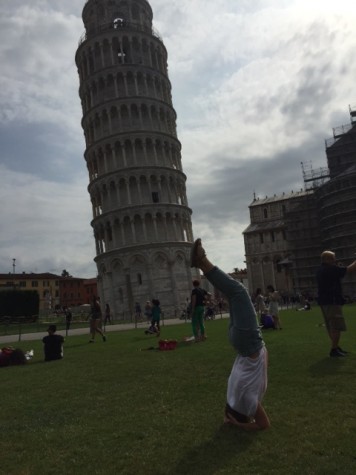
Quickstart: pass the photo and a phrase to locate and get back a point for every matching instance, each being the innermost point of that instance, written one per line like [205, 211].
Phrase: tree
[65, 273]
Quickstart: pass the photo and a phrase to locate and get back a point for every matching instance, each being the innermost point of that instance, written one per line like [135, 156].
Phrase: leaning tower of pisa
[141, 219]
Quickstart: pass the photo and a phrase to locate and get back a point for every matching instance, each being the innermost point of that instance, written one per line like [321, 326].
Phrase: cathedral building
[141, 218]
[287, 233]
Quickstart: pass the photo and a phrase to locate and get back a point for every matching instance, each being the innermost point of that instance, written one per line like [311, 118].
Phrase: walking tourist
[156, 316]
[260, 303]
[68, 315]
[95, 320]
[273, 307]
[197, 311]
[107, 314]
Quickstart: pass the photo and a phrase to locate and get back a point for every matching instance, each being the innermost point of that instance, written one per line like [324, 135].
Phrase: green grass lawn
[110, 408]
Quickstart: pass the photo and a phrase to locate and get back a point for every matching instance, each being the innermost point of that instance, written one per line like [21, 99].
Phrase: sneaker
[104, 338]
[342, 351]
[336, 353]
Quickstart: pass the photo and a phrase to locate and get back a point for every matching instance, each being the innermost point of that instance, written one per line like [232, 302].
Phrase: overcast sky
[257, 86]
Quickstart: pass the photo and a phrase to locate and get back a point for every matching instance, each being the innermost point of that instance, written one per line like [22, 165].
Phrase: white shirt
[247, 383]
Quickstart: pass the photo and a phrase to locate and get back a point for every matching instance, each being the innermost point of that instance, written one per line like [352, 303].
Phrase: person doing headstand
[247, 383]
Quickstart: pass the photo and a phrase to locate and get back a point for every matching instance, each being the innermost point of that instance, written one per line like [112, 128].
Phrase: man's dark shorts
[333, 317]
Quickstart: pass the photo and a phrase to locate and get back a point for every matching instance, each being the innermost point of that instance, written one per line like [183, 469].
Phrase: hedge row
[19, 303]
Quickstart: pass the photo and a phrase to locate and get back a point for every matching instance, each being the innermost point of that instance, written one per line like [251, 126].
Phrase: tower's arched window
[121, 55]
[118, 22]
[265, 213]
[134, 13]
[121, 296]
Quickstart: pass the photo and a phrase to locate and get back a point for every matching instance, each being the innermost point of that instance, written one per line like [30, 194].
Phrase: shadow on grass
[143, 337]
[327, 366]
[77, 345]
[213, 455]
[42, 362]
[36, 362]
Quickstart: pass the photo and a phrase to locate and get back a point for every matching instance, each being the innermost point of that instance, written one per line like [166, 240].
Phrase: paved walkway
[85, 330]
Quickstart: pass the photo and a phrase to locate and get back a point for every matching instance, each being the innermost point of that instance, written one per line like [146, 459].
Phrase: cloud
[47, 224]
[257, 86]
[281, 89]
[38, 77]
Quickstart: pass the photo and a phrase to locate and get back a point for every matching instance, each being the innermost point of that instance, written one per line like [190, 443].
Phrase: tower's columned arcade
[141, 218]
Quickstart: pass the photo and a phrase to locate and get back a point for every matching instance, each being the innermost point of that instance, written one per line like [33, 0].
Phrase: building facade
[141, 218]
[46, 285]
[55, 291]
[287, 233]
[274, 239]
[90, 290]
[336, 199]
[72, 291]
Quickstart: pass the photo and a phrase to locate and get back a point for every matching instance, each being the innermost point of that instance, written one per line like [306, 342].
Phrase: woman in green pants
[197, 300]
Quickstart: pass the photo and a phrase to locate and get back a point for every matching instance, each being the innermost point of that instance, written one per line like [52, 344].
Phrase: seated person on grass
[247, 383]
[267, 321]
[53, 344]
[10, 356]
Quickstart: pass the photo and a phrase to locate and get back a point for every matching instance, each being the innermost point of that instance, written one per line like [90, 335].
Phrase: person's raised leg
[241, 307]
[244, 332]
[216, 276]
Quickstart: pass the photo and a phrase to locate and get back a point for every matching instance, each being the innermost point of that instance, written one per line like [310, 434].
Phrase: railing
[320, 173]
[13, 328]
[341, 130]
[329, 142]
[125, 25]
[347, 139]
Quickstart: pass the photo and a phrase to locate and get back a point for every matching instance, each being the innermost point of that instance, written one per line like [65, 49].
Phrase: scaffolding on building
[342, 130]
[314, 178]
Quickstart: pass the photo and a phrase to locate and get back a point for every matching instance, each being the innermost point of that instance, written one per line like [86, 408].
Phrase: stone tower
[141, 219]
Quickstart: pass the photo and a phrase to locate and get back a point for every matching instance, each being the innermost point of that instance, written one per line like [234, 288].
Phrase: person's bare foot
[197, 254]
[198, 258]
